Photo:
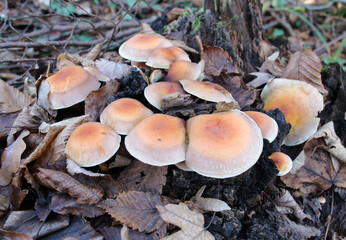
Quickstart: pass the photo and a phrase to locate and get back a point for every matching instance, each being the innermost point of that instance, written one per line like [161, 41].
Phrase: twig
[27, 60]
[330, 216]
[6, 16]
[284, 23]
[321, 49]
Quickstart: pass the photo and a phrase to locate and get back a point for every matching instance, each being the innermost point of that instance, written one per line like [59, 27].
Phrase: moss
[197, 23]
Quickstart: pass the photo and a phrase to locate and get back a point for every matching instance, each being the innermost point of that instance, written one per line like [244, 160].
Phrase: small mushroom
[124, 114]
[222, 145]
[282, 161]
[185, 70]
[163, 57]
[92, 143]
[269, 127]
[156, 91]
[300, 103]
[158, 140]
[69, 86]
[139, 47]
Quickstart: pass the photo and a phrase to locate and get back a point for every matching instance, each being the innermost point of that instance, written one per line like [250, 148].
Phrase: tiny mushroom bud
[300, 103]
[282, 161]
[154, 92]
[185, 70]
[124, 114]
[222, 145]
[92, 143]
[69, 86]
[269, 127]
[158, 140]
[164, 57]
[139, 47]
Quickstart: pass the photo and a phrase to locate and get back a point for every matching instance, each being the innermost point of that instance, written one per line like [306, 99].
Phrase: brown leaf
[64, 183]
[209, 204]
[63, 61]
[315, 173]
[95, 51]
[7, 235]
[190, 222]
[142, 177]
[11, 99]
[136, 210]
[63, 204]
[97, 100]
[306, 66]
[113, 233]
[10, 158]
[6, 122]
[273, 67]
[113, 70]
[175, 13]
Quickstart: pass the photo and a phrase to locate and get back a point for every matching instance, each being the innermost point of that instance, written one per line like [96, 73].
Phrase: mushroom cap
[269, 127]
[92, 143]
[139, 47]
[206, 90]
[70, 85]
[282, 161]
[300, 103]
[158, 140]
[154, 92]
[124, 114]
[164, 57]
[184, 70]
[222, 145]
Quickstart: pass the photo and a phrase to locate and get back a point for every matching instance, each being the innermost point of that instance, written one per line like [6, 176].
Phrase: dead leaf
[261, 78]
[63, 61]
[95, 51]
[190, 222]
[306, 66]
[314, 171]
[73, 169]
[27, 222]
[136, 210]
[6, 122]
[209, 204]
[175, 13]
[139, 176]
[120, 161]
[11, 99]
[112, 69]
[96, 101]
[273, 67]
[113, 233]
[4, 204]
[7, 235]
[64, 183]
[10, 158]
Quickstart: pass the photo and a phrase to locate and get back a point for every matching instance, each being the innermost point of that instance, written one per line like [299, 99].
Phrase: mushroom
[269, 127]
[69, 86]
[185, 70]
[158, 140]
[222, 145]
[92, 143]
[154, 92]
[164, 57]
[124, 114]
[282, 161]
[300, 103]
[139, 47]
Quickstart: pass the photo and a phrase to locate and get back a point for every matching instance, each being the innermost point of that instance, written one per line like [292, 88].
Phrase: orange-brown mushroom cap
[158, 140]
[70, 85]
[164, 57]
[154, 92]
[184, 70]
[139, 47]
[300, 103]
[222, 145]
[282, 161]
[124, 114]
[269, 127]
[92, 143]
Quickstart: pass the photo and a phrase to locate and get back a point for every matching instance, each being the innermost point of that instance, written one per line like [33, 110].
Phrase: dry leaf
[7, 235]
[113, 70]
[190, 222]
[10, 158]
[306, 66]
[142, 177]
[94, 52]
[11, 99]
[136, 210]
[174, 13]
[73, 169]
[209, 204]
[313, 171]
[63, 61]
[6, 122]
[261, 78]
[120, 161]
[113, 233]
[64, 183]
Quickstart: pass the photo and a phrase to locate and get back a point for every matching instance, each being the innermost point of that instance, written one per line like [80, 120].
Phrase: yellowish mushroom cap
[282, 161]
[124, 114]
[158, 140]
[69, 86]
[92, 143]
[300, 103]
[139, 47]
[222, 145]
[184, 70]
[164, 57]
[269, 127]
